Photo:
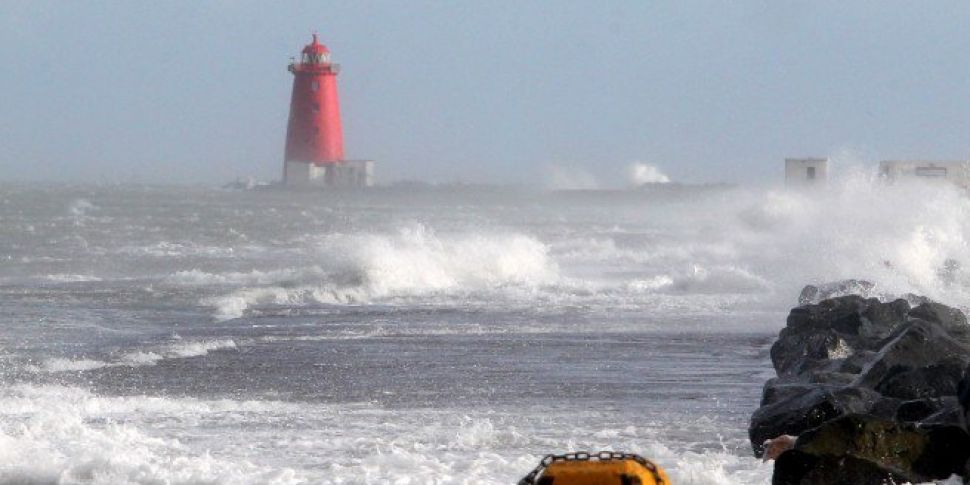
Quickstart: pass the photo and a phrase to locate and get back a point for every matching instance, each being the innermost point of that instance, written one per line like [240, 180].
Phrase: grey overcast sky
[481, 91]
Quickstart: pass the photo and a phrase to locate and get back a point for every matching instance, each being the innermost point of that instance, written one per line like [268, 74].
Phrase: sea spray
[640, 173]
[412, 261]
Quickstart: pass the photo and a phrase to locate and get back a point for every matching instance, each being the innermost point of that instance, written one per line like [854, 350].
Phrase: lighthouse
[314, 153]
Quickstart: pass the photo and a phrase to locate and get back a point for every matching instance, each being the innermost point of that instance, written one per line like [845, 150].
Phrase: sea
[422, 334]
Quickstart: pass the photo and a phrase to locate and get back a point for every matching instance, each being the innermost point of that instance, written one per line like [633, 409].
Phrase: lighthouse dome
[316, 48]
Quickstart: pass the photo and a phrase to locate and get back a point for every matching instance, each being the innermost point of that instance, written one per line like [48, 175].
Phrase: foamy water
[163, 335]
[177, 350]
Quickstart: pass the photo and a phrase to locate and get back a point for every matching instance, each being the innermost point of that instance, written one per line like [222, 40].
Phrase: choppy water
[190, 335]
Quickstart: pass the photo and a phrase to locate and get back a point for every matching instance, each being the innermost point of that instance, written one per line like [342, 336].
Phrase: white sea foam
[720, 279]
[168, 249]
[54, 434]
[643, 173]
[80, 207]
[415, 261]
[197, 277]
[651, 284]
[59, 434]
[136, 358]
[235, 304]
[71, 278]
[769, 243]
[66, 365]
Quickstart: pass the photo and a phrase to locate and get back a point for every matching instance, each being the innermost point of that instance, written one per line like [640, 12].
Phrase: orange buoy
[603, 468]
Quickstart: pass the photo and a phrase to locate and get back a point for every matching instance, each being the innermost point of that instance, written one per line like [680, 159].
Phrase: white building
[955, 172]
[342, 174]
[806, 171]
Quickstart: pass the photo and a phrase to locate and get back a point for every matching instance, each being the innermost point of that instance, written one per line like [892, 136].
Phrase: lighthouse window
[314, 85]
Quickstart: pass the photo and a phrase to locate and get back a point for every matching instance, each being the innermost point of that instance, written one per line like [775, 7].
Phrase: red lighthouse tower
[314, 137]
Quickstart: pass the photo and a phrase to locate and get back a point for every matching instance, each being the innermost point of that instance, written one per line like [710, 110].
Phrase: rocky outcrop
[872, 390]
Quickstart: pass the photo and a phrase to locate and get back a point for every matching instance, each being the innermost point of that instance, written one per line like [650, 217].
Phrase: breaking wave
[761, 244]
[414, 261]
[56, 434]
[643, 173]
[62, 434]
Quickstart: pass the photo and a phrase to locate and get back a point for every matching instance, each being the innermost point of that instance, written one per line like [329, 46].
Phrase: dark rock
[884, 318]
[949, 414]
[885, 408]
[813, 336]
[822, 315]
[801, 411]
[963, 395]
[919, 409]
[777, 389]
[795, 467]
[915, 300]
[838, 378]
[935, 380]
[835, 330]
[921, 359]
[897, 449]
[803, 353]
[854, 363]
[875, 391]
[947, 450]
[953, 320]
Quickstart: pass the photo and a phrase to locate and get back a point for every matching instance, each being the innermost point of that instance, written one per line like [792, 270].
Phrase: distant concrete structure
[800, 172]
[347, 173]
[955, 172]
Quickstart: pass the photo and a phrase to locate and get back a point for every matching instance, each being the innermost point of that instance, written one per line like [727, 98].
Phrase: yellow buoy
[603, 468]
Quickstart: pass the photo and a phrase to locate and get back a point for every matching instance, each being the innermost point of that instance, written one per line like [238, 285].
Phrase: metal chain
[586, 456]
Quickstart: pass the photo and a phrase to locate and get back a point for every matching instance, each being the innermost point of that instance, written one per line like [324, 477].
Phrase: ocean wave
[420, 260]
[415, 261]
[639, 173]
[175, 350]
[80, 207]
[65, 434]
[197, 277]
[57, 434]
[235, 304]
[71, 278]
[757, 242]
[169, 249]
[720, 279]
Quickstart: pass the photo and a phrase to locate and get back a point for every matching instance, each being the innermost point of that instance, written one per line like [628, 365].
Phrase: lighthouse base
[340, 174]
